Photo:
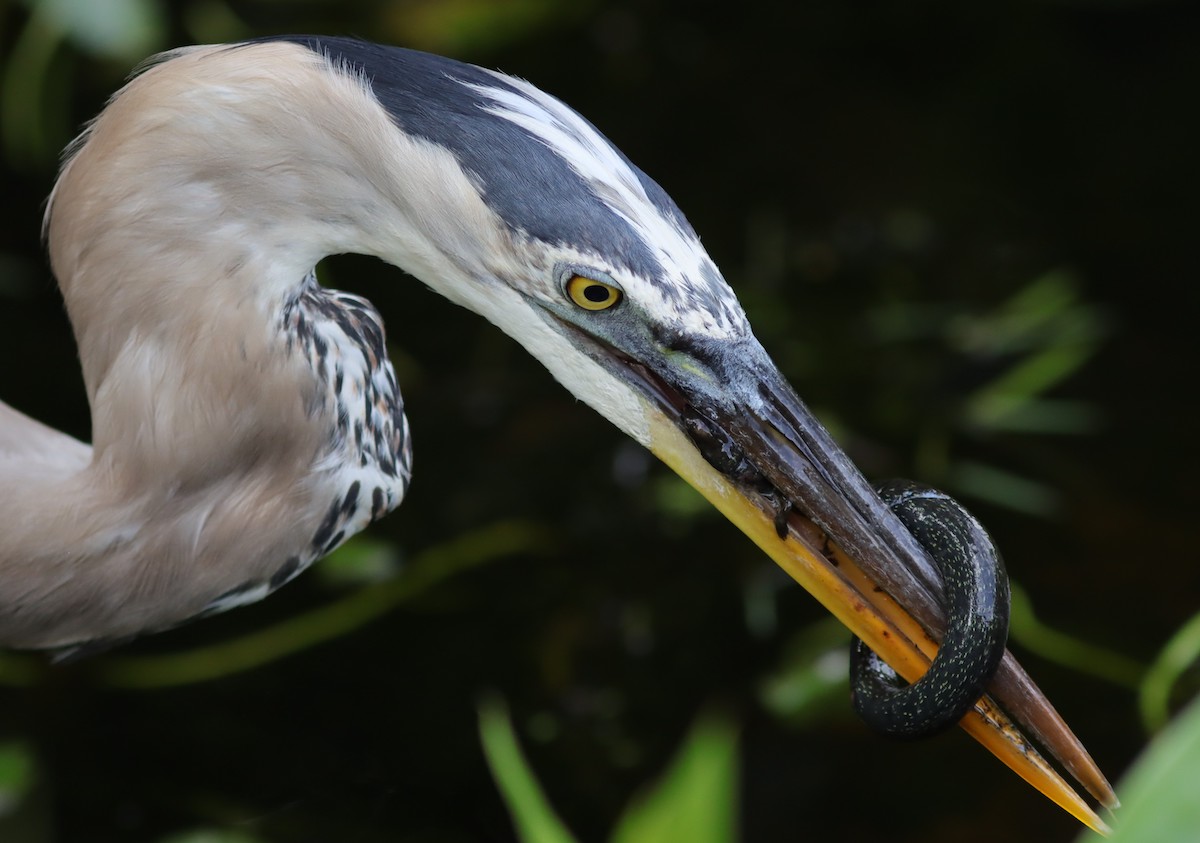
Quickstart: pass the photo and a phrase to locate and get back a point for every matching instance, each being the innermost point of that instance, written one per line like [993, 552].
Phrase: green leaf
[1159, 794]
[17, 774]
[811, 677]
[123, 29]
[362, 560]
[1031, 633]
[696, 799]
[694, 802]
[532, 814]
[1003, 488]
[1176, 657]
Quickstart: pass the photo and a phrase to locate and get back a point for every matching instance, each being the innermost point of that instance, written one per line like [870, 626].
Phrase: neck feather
[183, 225]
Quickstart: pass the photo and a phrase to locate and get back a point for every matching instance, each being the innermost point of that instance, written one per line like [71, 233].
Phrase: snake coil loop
[976, 604]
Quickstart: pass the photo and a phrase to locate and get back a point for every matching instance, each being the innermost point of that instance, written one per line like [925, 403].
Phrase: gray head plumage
[546, 172]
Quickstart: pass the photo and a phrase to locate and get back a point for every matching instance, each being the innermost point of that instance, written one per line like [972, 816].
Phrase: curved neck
[217, 179]
[180, 230]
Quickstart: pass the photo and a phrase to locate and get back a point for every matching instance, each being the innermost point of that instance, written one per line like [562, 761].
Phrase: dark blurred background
[966, 233]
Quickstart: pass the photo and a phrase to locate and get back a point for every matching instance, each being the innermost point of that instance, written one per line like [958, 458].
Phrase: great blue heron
[245, 420]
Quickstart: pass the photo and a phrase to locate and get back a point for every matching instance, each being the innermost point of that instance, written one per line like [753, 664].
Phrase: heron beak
[733, 428]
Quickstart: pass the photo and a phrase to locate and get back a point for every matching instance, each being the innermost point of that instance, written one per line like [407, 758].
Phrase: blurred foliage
[17, 773]
[453, 26]
[1028, 345]
[535, 820]
[1158, 795]
[972, 257]
[812, 678]
[35, 117]
[1179, 660]
[326, 623]
[360, 558]
[694, 801]
[696, 798]
[212, 836]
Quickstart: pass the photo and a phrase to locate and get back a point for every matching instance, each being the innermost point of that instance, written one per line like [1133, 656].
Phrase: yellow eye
[591, 294]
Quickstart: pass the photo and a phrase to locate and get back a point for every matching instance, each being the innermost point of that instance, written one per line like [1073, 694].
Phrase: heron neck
[176, 266]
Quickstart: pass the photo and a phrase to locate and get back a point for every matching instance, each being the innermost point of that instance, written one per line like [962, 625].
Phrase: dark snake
[976, 607]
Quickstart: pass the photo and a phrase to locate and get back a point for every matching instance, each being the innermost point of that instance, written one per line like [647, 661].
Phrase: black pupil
[596, 293]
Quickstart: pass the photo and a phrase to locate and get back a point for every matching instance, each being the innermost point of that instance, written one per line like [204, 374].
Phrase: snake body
[976, 604]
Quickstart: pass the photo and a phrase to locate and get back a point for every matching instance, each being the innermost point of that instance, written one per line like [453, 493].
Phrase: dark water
[877, 182]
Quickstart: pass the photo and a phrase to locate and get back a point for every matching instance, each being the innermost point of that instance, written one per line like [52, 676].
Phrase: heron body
[245, 421]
